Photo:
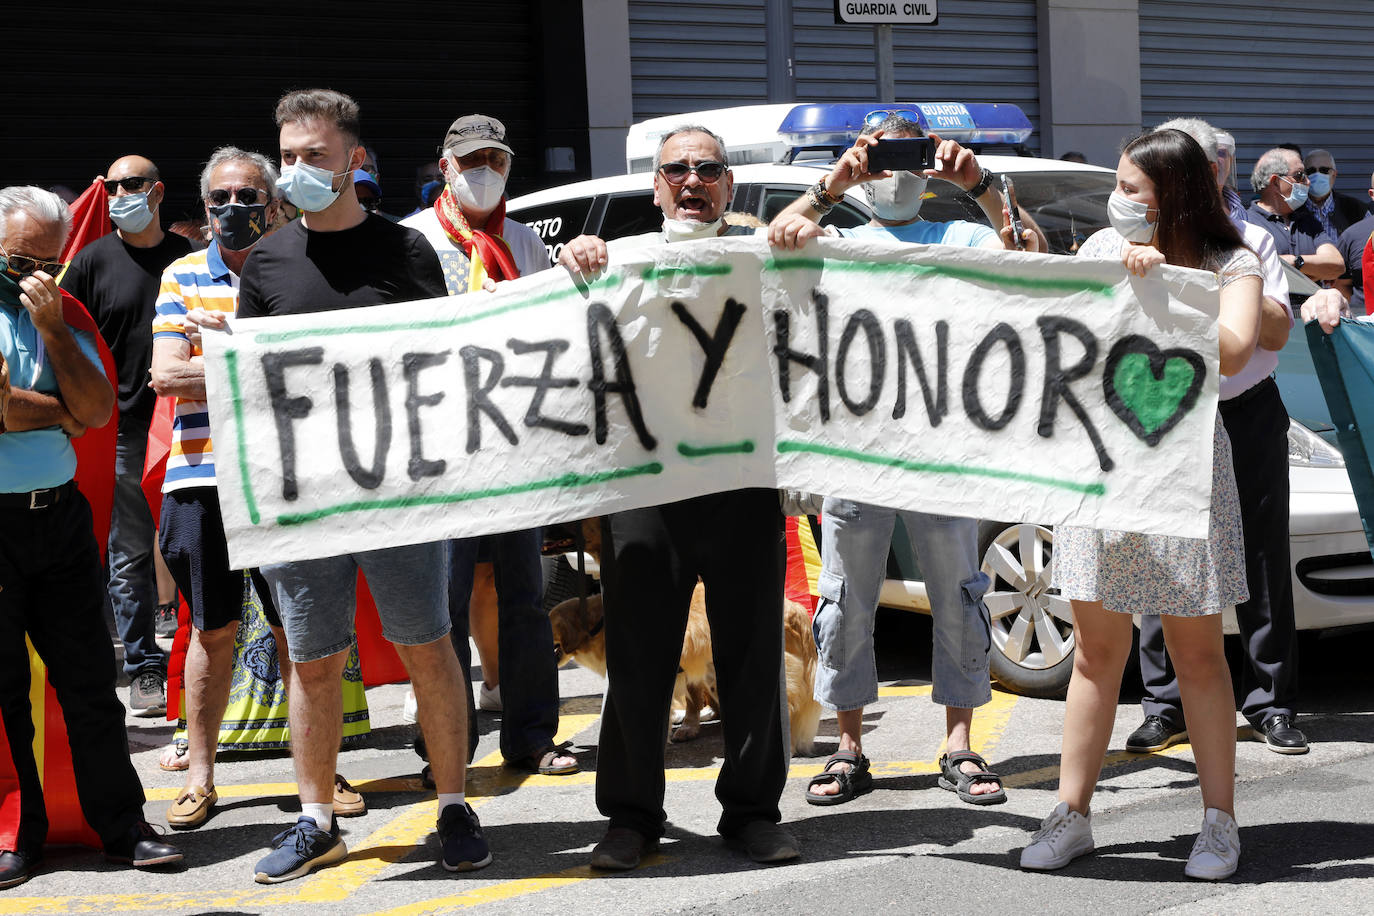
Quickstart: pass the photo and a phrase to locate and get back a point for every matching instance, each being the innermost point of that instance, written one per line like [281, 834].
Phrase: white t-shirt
[525, 246]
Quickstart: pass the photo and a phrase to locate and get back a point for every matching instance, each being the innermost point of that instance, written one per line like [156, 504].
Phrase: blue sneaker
[298, 850]
[465, 849]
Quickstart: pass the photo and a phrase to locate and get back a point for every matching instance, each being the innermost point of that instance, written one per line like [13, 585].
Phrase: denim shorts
[855, 539]
[316, 598]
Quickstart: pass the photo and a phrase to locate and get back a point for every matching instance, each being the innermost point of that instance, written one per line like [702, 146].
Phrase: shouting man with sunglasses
[117, 277]
[651, 559]
[49, 561]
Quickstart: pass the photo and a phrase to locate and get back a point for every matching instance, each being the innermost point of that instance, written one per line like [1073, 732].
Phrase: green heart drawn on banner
[1151, 389]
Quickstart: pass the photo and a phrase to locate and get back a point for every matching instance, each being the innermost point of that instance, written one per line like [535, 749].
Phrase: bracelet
[981, 188]
[825, 191]
[819, 200]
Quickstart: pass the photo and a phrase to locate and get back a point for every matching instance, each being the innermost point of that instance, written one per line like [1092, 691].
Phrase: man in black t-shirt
[117, 277]
[339, 256]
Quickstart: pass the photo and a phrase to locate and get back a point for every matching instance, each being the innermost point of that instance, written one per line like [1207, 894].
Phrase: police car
[777, 151]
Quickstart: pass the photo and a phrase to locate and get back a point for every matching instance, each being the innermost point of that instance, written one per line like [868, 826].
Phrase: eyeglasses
[876, 118]
[496, 158]
[677, 172]
[1298, 177]
[246, 196]
[21, 265]
[1324, 169]
[132, 184]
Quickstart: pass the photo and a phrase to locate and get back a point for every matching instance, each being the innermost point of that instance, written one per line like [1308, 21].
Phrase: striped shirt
[198, 281]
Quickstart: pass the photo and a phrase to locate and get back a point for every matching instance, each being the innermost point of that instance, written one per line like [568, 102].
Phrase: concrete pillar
[1089, 76]
[610, 99]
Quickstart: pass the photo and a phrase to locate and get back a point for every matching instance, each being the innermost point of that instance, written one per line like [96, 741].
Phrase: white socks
[451, 798]
[323, 814]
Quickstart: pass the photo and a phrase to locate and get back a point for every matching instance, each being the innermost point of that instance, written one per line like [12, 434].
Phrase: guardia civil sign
[906, 12]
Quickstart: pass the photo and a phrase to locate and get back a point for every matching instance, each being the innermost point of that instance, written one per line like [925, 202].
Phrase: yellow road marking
[1051, 773]
[507, 890]
[885, 692]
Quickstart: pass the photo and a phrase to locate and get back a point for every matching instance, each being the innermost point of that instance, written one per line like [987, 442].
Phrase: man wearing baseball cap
[479, 247]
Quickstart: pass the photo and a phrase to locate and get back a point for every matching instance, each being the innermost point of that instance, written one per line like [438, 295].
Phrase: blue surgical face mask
[1319, 184]
[1298, 196]
[309, 187]
[1130, 218]
[131, 212]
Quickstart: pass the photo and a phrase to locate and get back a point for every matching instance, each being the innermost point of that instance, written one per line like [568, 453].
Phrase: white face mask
[477, 189]
[131, 212]
[1130, 218]
[896, 199]
[684, 230]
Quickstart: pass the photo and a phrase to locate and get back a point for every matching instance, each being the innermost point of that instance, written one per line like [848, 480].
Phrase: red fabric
[90, 219]
[796, 585]
[1367, 265]
[377, 656]
[95, 479]
[497, 259]
[155, 458]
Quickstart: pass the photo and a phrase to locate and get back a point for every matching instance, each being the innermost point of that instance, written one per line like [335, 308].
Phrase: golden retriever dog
[578, 636]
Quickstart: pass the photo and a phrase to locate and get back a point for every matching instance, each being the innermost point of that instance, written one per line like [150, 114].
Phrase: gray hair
[895, 124]
[1204, 133]
[44, 206]
[225, 154]
[1274, 162]
[690, 129]
[1313, 154]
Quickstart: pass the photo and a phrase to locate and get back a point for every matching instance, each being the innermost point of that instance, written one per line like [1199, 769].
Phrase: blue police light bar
[834, 126]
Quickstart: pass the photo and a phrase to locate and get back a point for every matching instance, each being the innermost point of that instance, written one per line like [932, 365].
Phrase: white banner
[958, 381]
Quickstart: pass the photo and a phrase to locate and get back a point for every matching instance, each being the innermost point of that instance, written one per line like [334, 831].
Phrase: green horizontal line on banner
[1033, 284]
[561, 482]
[725, 448]
[610, 281]
[691, 270]
[1091, 489]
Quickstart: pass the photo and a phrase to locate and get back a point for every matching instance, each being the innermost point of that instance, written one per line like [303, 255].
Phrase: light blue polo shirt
[959, 233]
[35, 459]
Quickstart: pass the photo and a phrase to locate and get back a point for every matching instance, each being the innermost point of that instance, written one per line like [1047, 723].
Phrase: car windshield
[1068, 205]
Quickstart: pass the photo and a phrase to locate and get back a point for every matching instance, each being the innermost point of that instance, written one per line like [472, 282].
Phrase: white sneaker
[410, 710]
[1216, 853]
[489, 698]
[1063, 836]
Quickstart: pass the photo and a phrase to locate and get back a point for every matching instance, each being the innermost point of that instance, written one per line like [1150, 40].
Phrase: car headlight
[1306, 449]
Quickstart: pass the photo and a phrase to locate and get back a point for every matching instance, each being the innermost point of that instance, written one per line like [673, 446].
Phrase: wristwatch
[1298, 261]
[981, 188]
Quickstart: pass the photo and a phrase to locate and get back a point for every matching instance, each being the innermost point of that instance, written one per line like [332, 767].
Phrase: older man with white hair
[49, 561]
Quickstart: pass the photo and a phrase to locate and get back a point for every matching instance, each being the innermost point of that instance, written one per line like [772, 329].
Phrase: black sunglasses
[677, 172]
[1324, 169]
[131, 184]
[246, 196]
[21, 265]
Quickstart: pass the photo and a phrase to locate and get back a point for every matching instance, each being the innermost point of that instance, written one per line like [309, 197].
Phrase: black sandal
[853, 783]
[959, 782]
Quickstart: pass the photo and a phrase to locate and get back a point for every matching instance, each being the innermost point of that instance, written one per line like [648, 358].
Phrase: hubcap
[1032, 625]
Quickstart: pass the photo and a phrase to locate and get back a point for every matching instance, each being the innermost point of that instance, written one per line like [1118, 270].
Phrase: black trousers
[51, 588]
[1257, 423]
[651, 559]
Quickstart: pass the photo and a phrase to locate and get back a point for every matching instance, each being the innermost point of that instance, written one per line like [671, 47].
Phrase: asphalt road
[1307, 822]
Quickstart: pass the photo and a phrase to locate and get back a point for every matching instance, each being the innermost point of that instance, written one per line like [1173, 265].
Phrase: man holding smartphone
[856, 536]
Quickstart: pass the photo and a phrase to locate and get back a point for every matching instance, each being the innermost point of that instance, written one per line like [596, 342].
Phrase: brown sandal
[542, 762]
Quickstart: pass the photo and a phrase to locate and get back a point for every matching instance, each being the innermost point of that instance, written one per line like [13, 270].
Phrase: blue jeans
[855, 538]
[132, 586]
[529, 677]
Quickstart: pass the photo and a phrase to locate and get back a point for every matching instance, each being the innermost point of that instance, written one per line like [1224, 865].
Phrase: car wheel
[1032, 625]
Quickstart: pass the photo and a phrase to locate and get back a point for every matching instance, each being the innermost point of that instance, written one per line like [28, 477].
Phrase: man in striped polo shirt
[200, 290]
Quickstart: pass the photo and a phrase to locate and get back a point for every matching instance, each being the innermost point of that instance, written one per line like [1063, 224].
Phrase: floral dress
[1159, 574]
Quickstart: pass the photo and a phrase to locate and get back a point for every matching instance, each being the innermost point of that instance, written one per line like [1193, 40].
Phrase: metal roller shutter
[1268, 73]
[177, 80]
[689, 56]
[979, 52]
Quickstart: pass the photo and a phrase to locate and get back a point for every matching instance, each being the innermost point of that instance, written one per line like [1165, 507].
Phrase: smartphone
[1018, 228]
[907, 153]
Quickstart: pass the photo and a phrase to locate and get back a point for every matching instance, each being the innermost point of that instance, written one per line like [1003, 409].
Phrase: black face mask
[238, 226]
